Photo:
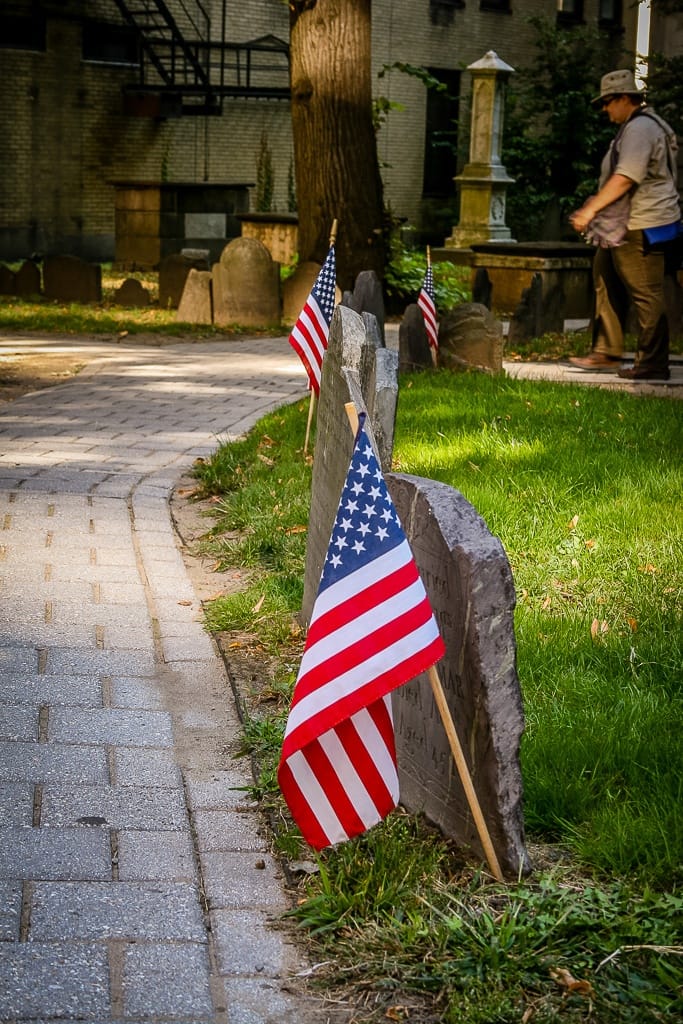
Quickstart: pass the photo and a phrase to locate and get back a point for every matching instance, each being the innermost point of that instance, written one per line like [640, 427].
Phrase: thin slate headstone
[132, 294]
[469, 583]
[7, 280]
[297, 288]
[367, 297]
[413, 344]
[482, 289]
[246, 285]
[540, 309]
[173, 271]
[471, 336]
[351, 372]
[71, 279]
[27, 279]
[196, 304]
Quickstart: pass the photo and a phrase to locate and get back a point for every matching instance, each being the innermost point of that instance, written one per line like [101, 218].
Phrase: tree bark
[335, 150]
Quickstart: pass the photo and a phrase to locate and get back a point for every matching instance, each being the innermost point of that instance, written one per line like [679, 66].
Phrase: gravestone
[71, 279]
[7, 280]
[470, 336]
[246, 285]
[132, 294]
[414, 352]
[540, 309]
[482, 289]
[297, 288]
[196, 305]
[351, 372]
[367, 297]
[469, 583]
[173, 271]
[27, 279]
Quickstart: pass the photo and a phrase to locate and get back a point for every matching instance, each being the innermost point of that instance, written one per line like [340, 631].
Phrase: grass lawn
[583, 487]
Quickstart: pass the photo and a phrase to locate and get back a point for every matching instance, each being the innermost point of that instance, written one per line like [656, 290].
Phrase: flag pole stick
[333, 232]
[464, 773]
[311, 407]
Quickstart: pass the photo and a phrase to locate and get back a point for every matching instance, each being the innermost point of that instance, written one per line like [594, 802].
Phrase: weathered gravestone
[357, 369]
[196, 304]
[173, 271]
[414, 352]
[470, 335]
[70, 279]
[469, 583]
[540, 309]
[7, 280]
[132, 294]
[297, 288]
[27, 279]
[246, 285]
[367, 297]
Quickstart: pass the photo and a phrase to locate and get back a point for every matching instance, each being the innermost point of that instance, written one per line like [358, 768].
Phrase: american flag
[311, 331]
[425, 301]
[372, 629]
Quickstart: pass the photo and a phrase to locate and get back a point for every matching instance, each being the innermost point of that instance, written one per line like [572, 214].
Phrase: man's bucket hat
[618, 83]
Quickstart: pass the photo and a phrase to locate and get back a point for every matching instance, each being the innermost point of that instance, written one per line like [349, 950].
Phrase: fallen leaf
[257, 606]
[571, 525]
[546, 602]
[264, 458]
[598, 628]
[633, 625]
[565, 979]
[647, 568]
[185, 604]
[214, 597]
[396, 1013]
[589, 544]
[267, 441]
[296, 529]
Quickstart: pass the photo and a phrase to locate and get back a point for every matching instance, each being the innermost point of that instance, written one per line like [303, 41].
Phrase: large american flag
[372, 629]
[425, 301]
[312, 330]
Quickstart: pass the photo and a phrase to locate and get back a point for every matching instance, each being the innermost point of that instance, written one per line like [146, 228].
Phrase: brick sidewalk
[135, 882]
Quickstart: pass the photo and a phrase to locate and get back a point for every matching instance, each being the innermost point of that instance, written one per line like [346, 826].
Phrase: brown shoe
[643, 373]
[596, 361]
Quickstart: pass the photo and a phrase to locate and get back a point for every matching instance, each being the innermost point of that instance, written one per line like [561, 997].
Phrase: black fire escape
[187, 67]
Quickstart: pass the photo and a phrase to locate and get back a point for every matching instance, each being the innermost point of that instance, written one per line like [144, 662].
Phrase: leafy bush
[404, 276]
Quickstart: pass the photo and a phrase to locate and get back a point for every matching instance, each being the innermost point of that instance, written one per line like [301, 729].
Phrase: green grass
[583, 488]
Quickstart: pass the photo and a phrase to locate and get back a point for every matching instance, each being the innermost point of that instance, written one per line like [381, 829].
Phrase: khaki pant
[630, 273]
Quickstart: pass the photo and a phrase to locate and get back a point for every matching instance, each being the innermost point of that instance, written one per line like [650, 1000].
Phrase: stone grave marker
[173, 271]
[196, 305]
[71, 279]
[413, 344]
[470, 335]
[27, 279]
[131, 293]
[7, 280]
[367, 297]
[351, 372]
[540, 309]
[469, 583]
[296, 290]
[246, 285]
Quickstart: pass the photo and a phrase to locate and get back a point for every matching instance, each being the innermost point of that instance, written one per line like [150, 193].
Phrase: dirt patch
[21, 373]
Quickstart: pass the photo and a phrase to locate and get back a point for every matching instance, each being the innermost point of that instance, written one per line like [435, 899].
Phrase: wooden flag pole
[333, 232]
[464, 773]
[449, 726]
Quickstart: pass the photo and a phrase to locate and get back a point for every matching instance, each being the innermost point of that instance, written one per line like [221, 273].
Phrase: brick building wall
[66, 137]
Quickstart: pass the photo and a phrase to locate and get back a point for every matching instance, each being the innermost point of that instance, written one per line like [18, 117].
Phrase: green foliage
[265, 177]
[553, 139]
[665, 88]
[404, 276]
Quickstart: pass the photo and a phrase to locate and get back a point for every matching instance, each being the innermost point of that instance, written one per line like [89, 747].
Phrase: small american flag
[312, 330]
[372, 629]
[425, 301]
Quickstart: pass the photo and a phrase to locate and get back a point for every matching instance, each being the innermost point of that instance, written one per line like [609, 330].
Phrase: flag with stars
[372, 629]
[312, 330]
[425, 301]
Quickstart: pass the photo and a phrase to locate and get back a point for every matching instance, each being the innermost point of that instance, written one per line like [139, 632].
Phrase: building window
[442, 12]
[19, 32]
[441, 136]
[110, 44]
[569, 12]
[495, 5]
[609, 13]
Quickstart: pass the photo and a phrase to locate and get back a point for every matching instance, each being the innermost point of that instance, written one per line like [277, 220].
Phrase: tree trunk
[335, 151]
